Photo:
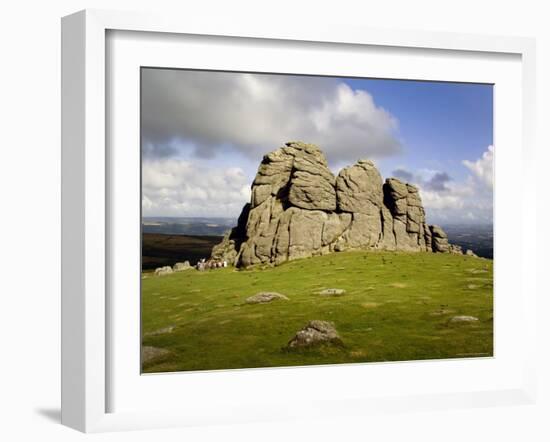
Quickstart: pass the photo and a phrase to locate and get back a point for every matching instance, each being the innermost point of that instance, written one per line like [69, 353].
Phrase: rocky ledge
[299, 209]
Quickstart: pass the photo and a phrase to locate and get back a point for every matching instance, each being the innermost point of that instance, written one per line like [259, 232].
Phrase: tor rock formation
[299, 209]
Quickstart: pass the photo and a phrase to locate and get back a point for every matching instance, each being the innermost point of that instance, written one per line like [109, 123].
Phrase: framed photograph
[267, 222]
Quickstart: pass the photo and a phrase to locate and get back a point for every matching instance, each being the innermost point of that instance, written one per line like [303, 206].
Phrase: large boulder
[296, 173]
[312, 182]
[359, 187]
[161, 271]
[455, 249]
[440, 242]
[359, 192]
[299, 209]
[181, 266]
[409, 220]
[315, 333]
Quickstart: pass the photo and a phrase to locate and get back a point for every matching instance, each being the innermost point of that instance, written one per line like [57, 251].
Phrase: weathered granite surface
[299, 209]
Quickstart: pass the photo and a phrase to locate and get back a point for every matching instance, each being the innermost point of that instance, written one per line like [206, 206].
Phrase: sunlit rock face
[299, 209]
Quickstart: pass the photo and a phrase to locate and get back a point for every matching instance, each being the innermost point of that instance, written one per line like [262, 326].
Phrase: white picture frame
[86, 316]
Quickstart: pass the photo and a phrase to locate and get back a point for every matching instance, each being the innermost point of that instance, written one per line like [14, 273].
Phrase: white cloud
[256, 113]
[441, 201]
[483, 167]
[459, 202]
[448, 201]
[173, 187]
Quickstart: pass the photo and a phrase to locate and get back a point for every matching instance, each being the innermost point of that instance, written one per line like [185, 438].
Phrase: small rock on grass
[314, 333]
[181, 266]
[463, 318]
[332, 292]
[161, 271]
[263, 297]
[149, 353]
[161, 331]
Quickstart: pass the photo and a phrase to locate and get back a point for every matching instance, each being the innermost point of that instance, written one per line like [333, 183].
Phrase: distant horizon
[145, 217]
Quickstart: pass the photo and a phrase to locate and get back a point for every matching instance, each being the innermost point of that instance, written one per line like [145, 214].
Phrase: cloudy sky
[204, 134]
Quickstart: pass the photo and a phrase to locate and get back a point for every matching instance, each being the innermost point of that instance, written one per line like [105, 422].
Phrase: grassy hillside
[397, 306]
[165, 250]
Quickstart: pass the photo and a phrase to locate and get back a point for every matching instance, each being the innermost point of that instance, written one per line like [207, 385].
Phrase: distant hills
[478, 238]
[187, 225]
[159, 250]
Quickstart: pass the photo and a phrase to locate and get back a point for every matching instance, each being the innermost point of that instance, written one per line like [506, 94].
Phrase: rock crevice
[299, 209]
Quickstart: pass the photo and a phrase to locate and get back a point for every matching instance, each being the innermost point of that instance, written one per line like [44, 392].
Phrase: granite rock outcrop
[299, 209]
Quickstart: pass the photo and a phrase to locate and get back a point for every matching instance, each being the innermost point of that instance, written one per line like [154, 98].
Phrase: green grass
[397, 307]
